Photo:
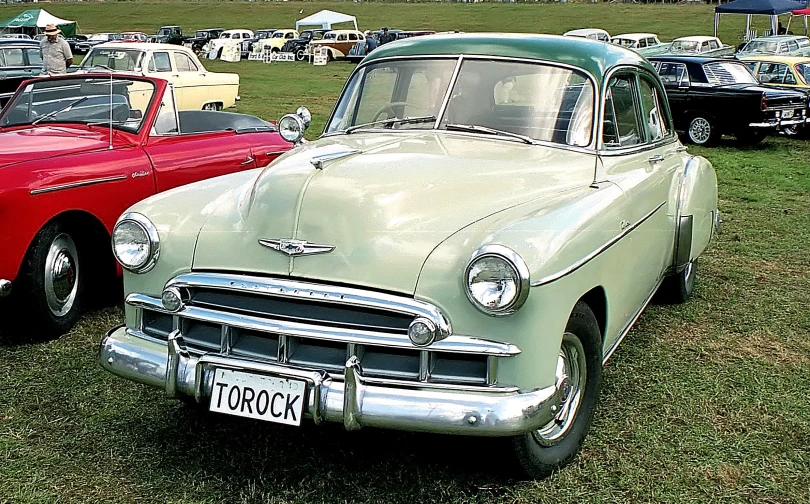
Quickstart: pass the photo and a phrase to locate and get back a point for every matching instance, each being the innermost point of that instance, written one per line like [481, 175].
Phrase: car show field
[705, 401]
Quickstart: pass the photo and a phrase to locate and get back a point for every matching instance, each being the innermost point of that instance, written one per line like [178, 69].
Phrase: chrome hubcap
[700, 130]
[61, 275]
[571, 378]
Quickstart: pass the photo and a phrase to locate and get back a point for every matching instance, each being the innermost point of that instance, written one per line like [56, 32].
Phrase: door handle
[656, 158]
[247, 161]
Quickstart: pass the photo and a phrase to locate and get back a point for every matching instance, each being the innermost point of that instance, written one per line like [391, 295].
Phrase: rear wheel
[51, 283]
[702, 131]
[677, 288]
[579, 374]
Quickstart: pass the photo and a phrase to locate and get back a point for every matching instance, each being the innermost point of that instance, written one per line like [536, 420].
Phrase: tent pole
[747, 27]
[716, 22]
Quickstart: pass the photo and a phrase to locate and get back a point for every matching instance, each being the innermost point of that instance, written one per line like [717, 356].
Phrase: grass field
[704, 402]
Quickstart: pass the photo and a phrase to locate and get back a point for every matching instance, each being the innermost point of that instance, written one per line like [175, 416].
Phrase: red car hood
[43, 142]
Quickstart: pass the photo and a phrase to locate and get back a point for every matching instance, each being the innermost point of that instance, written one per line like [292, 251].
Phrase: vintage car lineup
[357, 277]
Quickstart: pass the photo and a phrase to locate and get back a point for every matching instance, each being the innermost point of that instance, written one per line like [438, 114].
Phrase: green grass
[704, 402]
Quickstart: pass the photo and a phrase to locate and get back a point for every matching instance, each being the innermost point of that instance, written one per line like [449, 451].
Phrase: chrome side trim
[455, 343]
[310, 291]
[582, 262]
[73, 185]
[629, 326]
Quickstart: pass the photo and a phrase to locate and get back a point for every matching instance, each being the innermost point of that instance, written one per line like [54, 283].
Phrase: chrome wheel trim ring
[700, 130]
[572, 377]
[61, 275]
[688, 275]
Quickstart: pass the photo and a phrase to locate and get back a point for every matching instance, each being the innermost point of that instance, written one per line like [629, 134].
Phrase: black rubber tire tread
[29, 293]
[677, 289]
[538, 461]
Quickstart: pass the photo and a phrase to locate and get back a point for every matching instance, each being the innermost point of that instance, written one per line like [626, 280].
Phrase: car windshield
[536, 101]
[803, 69]
[126, 60]
[164, 31]
[761, 46]
[727, 72]
[93, 100]
[624, 42]
[15, 57]
[264, 34]
[685, 45]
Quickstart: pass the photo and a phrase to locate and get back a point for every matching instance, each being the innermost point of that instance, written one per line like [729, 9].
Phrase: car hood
[43, 142]
[384, 208]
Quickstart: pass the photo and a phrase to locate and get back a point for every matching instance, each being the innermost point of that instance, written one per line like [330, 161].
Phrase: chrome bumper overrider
[354, 400]
[5, 287]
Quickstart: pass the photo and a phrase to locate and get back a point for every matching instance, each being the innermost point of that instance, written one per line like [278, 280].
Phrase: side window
[673, 74]
[166, 122]
[34, 56]
[352, 36]
[783, 48]
[621, 127]
[652, 113]
[342, 37]
[160, 62]
[183, 63]
[289, 35]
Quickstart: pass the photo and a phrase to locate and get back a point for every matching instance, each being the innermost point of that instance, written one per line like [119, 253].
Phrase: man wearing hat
[56, 55]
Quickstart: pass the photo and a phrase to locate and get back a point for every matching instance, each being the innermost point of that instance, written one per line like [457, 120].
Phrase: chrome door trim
[73, 185]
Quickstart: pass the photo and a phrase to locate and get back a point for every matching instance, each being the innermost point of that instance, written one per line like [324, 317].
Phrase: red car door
[184, 150]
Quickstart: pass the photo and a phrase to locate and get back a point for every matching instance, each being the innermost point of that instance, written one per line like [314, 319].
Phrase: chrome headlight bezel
[151, 233]
[511, 259]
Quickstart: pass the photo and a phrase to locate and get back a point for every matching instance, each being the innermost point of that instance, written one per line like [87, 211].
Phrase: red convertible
[75, 152]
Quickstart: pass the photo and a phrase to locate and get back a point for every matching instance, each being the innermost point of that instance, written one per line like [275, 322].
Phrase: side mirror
[291, 127]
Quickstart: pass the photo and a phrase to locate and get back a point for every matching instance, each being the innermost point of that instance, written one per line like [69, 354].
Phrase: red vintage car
[75, 152]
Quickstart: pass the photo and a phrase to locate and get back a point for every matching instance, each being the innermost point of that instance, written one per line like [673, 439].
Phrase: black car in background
[19, 60]
[201, 37]
[169, 35]
[299, 45]
[247, 45]
[710, 97]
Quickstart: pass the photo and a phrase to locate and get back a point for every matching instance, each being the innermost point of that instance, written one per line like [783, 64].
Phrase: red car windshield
[120, 103]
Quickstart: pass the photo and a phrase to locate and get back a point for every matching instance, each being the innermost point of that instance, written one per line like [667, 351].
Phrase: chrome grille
[317, 327]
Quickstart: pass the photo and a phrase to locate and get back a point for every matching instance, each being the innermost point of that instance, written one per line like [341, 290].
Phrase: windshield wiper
[395, 120]
[63, 109]
[472, 128]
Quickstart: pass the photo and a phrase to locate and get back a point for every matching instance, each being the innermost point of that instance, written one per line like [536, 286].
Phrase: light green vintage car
[478, 227]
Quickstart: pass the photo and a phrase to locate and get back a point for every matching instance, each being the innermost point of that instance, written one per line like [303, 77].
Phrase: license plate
[787, 114]
[269, 398]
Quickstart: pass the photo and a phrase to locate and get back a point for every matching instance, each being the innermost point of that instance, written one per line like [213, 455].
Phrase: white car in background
[226, 38]
[195, 88]
[589, 33]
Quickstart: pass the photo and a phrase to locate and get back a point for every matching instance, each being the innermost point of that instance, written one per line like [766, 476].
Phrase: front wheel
[579, 375]
[702, 131]
[51, 283]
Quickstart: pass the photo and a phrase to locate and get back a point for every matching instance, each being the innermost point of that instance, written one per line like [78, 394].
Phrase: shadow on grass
[198, 447]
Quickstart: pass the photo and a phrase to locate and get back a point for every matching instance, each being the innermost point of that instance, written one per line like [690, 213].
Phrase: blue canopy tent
[770, 8]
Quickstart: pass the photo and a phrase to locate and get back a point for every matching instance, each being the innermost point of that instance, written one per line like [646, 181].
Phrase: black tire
[51, 283]
[702, 130]
[545, 451]
[300, 54]
[750, 137]
[677, 289]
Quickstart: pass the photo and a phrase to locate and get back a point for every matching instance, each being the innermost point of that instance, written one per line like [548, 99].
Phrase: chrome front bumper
[352, 399]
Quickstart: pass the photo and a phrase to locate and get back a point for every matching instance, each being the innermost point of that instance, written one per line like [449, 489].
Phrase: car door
[189, 82]
[180, 158]
[675, 77]
[639, 154]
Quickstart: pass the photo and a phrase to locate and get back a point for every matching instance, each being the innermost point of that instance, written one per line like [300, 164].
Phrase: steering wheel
[390, 108]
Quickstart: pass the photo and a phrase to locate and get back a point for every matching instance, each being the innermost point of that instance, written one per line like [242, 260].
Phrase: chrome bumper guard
[5, 287]
[355, 401]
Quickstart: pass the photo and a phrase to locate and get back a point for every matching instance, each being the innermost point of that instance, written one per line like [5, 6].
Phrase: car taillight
[764, 102]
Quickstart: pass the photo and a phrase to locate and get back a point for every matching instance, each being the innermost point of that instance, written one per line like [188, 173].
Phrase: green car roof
[590, 55]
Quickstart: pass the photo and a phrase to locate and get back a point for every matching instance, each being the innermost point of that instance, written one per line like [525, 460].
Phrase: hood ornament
[295, 247]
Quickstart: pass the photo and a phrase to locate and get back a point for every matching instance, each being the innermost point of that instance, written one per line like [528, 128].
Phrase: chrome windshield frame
[460, 58]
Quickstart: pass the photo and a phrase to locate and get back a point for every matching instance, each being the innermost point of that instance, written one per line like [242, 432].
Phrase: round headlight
[135, 243]
[291, 128]
[497, 280]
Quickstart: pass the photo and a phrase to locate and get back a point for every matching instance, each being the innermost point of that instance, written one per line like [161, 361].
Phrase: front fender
[697, 210]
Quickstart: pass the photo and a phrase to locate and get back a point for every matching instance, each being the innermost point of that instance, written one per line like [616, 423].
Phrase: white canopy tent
[325, 19]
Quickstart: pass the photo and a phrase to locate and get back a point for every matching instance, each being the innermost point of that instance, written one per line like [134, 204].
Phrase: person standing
[56, 54]
[386, 37]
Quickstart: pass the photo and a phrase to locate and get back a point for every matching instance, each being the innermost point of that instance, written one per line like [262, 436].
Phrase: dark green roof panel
[590, 55]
